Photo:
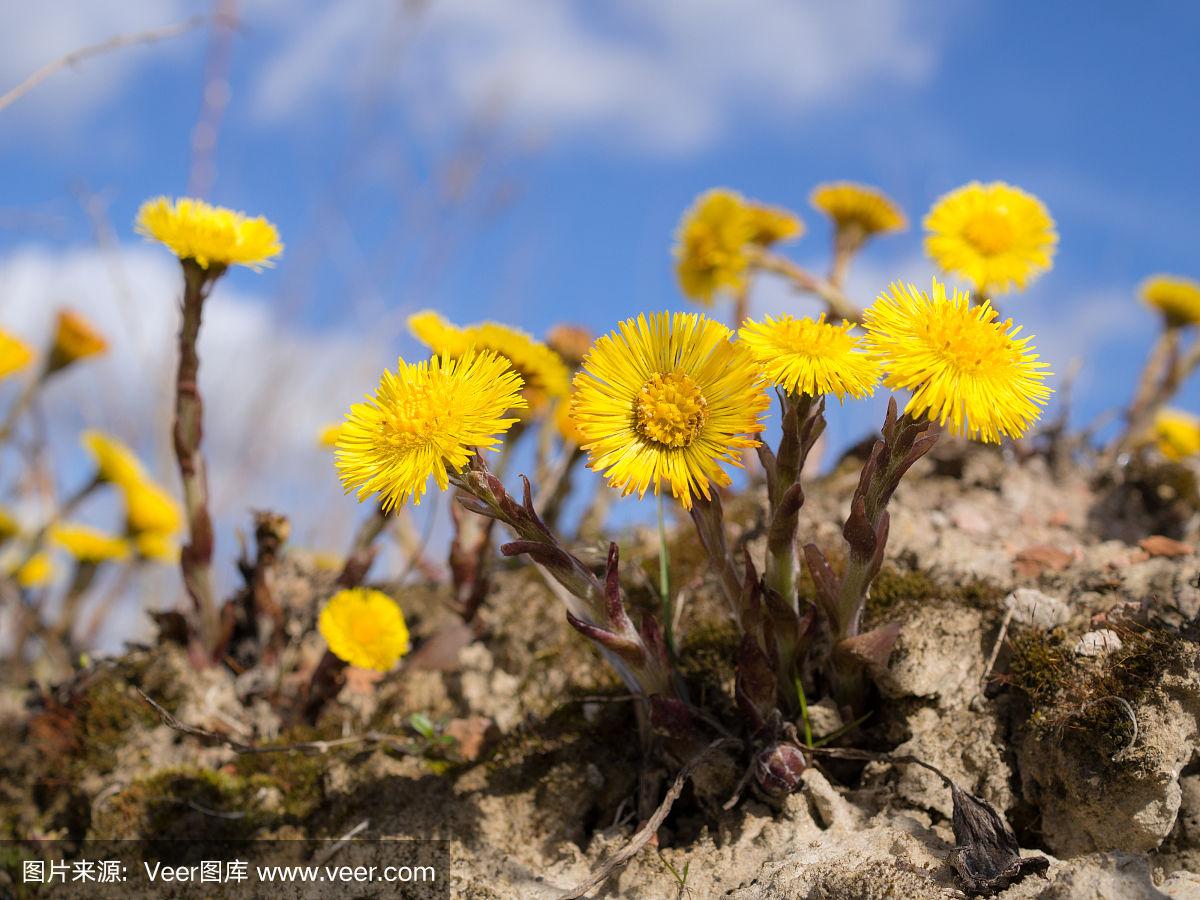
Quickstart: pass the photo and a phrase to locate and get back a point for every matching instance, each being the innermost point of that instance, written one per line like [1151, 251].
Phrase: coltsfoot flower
[966, 370]
[35, 572]
[211, 236]
[1177, 298]
[156, 546]
[15, 354]
[87, 544]
[858, 207]
[9, 526]
[364, 628]
[1177, 434]
[425, 419]
[75, 338]
[668, 399]
[148, 507]
[806, 356]
[714, 237]
[995, 235]
[329, 435]
[543, 371]
[115, 463]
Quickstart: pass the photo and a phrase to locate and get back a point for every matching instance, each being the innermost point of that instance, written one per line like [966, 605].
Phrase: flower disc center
[990, 232]
[670, 410]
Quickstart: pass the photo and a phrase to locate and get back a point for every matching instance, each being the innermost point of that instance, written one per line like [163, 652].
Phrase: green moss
[1040, 664]
[299, 777]
[191, 804]
[899, 590]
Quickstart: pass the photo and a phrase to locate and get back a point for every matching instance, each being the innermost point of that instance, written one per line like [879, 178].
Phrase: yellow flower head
[15, 354]
[87, 544]
[149, 508]
[963, 366]
[329, 435]
[1177, 298]
[35, 572]
[209, 235]
[668, 398]
[425, 419]
[364, 628]
[994, 234]
[771, 224]
[156, 546]
[543, 371]
[9, 527]
[74, 339]
[710, 250]
[859, 208]
[1177, 434]
[115, 463]
[804, 356]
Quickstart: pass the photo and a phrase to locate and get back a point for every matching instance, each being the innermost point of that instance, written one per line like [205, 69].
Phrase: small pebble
[1031, 607]
[1097, 643]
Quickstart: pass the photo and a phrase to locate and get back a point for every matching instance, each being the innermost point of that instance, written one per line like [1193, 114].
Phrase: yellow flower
[156, 546]
[1177, 434]
[9, 527]
[36, 572]
[771, 224]
[74, 339]
[995, 235]
[329, 435]
[15, 354]
[364, 628]
[543, 371]
[711, 242]
[668, 398]
[963, 366]
[804, 356]
[209, 235]
[150, 508]
[565, 423]
[425, 419]
[857, 207]
[1177, 298]
[115, 463]
[87, 544]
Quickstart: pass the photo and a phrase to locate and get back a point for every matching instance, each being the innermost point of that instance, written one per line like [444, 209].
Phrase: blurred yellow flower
[74, 339]
[1177, 298]
[858, 207]
[156, 546]
[329, 435]
[425, 420]
[715, 239]
[209, 235]
[565, 424]
[1177, 434]
[963, 366]
[35, 572]
[543, 371]
[115, 463]
[804, 356]
[150, 508]
[995, 235]
[364, 628]
[668, 398]
[87, 544]
[15, 354]
[9, 527]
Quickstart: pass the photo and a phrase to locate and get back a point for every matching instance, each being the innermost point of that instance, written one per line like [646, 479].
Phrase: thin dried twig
[991, 660]
[648, 830]
[212, 737]
[150, 36]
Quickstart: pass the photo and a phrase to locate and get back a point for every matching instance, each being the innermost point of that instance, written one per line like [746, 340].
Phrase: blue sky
[576, 134]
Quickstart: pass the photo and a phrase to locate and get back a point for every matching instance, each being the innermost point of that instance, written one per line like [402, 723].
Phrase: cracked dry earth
[1094, 581]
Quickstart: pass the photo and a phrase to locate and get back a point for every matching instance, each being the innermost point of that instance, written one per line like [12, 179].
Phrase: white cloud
[670, 75]
[268, 388]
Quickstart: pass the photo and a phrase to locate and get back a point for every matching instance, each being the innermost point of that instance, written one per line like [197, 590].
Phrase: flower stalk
[904, 440]
[197, 553]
